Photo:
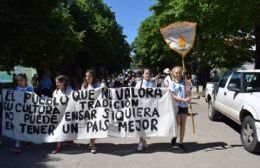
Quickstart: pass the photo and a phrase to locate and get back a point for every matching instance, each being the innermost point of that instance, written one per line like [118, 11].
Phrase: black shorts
[183, 110]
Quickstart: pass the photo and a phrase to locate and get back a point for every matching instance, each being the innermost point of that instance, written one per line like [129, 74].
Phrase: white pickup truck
[237, 96]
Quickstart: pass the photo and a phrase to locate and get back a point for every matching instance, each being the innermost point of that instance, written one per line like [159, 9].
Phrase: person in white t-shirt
[62, 89]
[168, 79]
[145, 82]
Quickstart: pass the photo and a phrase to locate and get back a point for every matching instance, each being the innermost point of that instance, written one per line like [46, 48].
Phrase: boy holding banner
[182, 101]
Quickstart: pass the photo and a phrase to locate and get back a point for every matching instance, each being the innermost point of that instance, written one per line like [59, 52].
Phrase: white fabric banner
[85, 114]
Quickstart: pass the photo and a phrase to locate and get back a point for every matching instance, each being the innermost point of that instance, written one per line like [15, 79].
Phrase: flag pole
[183, 64]
[192, 119]
[189, 94]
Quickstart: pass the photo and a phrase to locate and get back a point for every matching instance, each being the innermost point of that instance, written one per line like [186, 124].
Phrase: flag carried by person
[180, 36]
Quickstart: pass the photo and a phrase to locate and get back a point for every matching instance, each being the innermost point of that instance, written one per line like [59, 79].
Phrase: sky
[130, 14]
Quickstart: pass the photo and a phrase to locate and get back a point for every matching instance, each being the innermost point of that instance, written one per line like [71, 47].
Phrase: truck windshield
[252, 82]
[223, 79]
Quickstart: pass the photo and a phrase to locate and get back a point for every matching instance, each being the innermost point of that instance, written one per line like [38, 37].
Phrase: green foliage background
[48, 35]
[226, 32]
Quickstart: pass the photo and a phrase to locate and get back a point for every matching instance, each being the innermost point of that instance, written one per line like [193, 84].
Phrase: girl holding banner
[90, 84]
[182, 101]
[22, 85]
[62, 89]
[146, 82]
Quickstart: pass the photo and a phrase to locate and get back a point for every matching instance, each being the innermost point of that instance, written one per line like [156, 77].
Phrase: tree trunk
[257, 39]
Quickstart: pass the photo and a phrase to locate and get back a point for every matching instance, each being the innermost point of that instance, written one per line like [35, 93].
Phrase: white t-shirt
[58, 93]
[90, 87]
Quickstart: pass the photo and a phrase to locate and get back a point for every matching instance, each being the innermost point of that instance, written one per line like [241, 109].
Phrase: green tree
[104, 42]
[48, 35]
[226, 29]
[37, 34]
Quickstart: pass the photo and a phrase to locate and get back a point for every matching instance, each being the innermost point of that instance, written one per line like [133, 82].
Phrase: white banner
[122, 112]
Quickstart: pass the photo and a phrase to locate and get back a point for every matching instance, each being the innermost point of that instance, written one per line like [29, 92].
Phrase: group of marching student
[174, 80]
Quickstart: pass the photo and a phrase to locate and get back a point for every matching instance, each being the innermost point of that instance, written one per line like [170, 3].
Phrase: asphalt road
[215, 144]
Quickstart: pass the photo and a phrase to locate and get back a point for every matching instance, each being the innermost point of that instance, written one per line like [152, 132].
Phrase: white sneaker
[140, 146]
[93, 151]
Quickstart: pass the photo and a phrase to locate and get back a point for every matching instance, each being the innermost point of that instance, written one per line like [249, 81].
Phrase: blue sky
[129, 14]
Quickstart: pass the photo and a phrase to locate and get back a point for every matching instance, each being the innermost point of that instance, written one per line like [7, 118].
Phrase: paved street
[215, 144]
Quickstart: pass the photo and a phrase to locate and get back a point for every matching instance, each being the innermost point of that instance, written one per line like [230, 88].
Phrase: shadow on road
[232, 124]
[39, 155]
[211, 146]
[194, 114]
[35, 157]
[128, 149]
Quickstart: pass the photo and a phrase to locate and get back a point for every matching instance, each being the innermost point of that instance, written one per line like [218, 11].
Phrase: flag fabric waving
[180, 36]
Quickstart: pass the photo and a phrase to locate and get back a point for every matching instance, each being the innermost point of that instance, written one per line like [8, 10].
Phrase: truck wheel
[212, 113]
[249, 136]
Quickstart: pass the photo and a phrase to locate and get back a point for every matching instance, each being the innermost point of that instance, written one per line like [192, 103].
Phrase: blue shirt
[145, 84]
[25, 89]
[178, 90]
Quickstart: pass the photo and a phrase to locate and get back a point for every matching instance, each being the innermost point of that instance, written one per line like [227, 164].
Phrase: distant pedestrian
[35, 81]
[46, 85]
[167, 80]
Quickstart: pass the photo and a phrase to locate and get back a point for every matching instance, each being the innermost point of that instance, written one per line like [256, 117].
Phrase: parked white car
[237, 96]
